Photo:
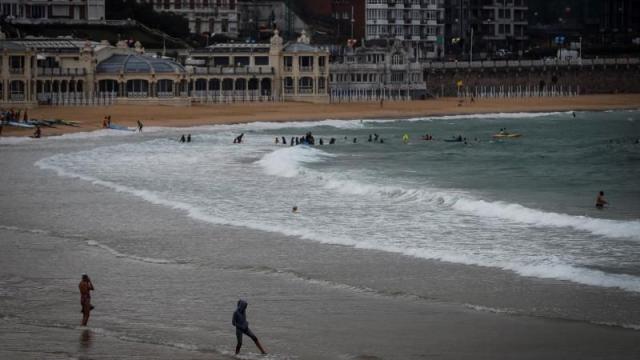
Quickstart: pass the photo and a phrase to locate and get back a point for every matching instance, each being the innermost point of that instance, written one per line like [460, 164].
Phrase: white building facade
[419, 23]
[37, 10]
[205, 16]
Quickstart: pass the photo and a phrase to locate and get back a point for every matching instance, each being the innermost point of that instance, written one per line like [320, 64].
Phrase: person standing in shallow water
[85, 297]
[601, 201]
[242, 326]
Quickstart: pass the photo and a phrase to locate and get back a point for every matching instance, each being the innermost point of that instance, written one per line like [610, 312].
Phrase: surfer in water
[601, 201]
[182, 139]
[242, 326]
[238, 140]
[85, 287]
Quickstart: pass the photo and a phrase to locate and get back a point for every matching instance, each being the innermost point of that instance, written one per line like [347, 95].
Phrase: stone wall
[603, 79]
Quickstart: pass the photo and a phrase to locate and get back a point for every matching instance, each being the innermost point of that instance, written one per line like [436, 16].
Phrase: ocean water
[524, 205]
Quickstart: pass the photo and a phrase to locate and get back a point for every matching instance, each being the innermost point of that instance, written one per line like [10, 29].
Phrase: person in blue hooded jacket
[242, 326]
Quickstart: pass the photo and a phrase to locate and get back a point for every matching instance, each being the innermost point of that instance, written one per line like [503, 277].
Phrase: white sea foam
[129, 256]
[287, 162]
[519, 213]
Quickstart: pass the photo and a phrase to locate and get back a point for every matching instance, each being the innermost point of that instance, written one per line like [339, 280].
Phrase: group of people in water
[309, 139]
[184, 139]
[239, 319]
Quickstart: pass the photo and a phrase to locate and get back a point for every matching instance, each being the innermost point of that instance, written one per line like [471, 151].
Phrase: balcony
[306, 68]
[61, 71]
[234, 70]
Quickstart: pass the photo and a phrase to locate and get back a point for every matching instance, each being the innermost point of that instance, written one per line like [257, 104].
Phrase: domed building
[139, 76]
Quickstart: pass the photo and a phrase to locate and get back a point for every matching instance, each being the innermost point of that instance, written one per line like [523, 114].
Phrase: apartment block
[419, 24]
[205, 16]
[39, 10]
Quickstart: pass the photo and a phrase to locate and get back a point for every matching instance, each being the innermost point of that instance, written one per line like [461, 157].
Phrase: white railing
[518, 91]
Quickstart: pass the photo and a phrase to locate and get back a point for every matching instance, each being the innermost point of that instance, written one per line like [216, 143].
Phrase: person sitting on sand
[85, 286]
[601, 201]
[242, 326]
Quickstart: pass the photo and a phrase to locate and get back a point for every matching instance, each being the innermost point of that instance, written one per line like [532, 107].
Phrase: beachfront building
[35, 11]
[296, 71]
[218, 17]
[419, 24]
[379, 70]
[75, 72]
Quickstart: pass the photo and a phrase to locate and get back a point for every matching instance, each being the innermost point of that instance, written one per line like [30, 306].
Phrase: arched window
[214, 84]
[305, 85]
[16, 89]
[108, 86]
[164, 88]
[137, 88]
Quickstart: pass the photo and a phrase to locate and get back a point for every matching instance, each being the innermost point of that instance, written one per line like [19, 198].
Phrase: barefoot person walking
[242, 326]
[85, 297]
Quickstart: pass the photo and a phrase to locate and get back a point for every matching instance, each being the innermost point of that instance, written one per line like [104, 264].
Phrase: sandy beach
[90, 118]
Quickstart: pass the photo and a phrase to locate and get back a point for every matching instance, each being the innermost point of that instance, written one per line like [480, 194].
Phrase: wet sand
[90, 118]
[166, 286]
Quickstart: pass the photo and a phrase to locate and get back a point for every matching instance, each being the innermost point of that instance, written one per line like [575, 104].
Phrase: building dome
[136, 64]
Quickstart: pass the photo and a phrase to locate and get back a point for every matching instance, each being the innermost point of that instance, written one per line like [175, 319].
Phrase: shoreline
[90, 118]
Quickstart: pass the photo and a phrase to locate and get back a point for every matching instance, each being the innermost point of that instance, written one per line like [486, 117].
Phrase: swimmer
[294, 209]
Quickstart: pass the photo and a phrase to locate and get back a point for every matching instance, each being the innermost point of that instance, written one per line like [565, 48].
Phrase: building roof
[235, 48]
[134, 63]
[57, 45]
[300, 47]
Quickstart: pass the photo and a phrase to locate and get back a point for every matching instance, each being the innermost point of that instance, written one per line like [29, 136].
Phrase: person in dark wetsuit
[242, 326]
[601, 201]
[284, 141]
[189, 138]
[182, 139]
[332, 141]
[37, 133]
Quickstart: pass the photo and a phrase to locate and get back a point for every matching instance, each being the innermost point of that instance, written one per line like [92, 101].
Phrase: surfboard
[18, 124]
[120, 127]
[507, 136]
